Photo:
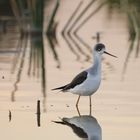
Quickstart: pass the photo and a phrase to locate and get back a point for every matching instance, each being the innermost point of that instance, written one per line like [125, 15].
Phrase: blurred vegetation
[28, 17]
[28, 12]
[131, 8]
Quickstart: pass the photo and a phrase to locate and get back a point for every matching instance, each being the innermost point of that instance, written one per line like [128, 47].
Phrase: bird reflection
[84, 126]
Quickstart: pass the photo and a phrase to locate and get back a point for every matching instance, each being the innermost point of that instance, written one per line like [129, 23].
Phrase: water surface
[116, 104]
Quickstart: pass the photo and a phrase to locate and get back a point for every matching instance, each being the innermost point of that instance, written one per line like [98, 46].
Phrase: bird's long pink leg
[90, 105]
[77, 105]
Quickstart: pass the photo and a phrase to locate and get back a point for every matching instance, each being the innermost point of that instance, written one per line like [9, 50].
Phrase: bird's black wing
[76, 129]
[81, 77]
[62, 87]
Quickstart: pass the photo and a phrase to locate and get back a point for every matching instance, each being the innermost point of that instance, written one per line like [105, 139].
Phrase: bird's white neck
[96, 67]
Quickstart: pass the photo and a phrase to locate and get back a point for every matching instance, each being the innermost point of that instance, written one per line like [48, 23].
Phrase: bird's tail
[58, 88]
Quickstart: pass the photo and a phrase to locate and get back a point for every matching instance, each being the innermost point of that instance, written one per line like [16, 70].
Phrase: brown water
[115, 106]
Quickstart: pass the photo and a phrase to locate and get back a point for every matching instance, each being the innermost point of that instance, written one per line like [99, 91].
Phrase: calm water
[115, 112]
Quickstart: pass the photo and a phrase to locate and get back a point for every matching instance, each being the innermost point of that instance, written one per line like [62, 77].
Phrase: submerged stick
[38, 113]
[10, 115]
[97, 37]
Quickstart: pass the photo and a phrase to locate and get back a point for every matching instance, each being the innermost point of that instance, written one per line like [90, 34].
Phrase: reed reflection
[51, 31]
[23, 42]
[37, 65]
[84, 126]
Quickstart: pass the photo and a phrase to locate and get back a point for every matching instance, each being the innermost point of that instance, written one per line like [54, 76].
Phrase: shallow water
[115, 106]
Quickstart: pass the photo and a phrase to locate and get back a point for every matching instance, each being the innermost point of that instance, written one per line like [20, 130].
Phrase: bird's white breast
[88, 87]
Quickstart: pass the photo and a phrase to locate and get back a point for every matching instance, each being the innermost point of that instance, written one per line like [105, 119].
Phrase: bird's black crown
[99, 47]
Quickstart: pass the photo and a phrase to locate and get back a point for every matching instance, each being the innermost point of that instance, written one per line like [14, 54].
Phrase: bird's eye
[99, 49]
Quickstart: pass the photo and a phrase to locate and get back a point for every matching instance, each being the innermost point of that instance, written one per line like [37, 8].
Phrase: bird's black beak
[110, 54]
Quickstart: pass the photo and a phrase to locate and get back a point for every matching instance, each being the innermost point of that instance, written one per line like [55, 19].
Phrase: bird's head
[100, 49]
